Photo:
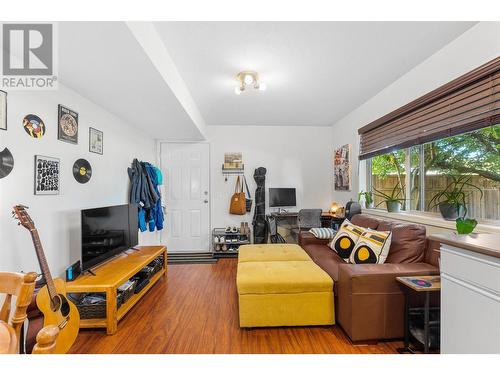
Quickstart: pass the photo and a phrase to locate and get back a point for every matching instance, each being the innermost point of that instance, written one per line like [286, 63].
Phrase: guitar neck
[43, 262]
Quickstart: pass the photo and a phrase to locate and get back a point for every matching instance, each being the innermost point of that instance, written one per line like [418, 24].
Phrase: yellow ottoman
[284, 293]
[271, 252]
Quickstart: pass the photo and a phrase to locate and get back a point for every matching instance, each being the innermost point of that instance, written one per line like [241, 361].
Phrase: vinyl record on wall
[34, 126]
[82, 171]
[6, 162]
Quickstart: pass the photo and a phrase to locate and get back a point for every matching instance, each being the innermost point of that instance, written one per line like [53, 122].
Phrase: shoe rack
[226, 241]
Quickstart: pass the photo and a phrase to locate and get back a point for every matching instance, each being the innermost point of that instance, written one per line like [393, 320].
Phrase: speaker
[73, 271]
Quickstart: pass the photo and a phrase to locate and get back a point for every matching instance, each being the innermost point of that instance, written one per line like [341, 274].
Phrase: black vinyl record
[6, 162]
[82, 171]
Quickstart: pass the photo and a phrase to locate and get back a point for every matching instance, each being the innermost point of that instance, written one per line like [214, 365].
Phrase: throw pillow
[346, 238]
[323, 233]
[372, 247]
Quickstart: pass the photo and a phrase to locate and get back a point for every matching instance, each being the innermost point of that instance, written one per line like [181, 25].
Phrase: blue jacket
[145, 193]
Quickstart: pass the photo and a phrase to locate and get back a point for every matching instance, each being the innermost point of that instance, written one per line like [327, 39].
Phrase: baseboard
[191, 258]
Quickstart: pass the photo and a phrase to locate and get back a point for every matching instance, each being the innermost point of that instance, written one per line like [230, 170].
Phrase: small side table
[419, 284]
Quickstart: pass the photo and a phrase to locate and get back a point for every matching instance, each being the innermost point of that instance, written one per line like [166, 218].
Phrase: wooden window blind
[467, 103]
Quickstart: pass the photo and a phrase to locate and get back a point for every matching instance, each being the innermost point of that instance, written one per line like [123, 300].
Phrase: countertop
[483, 243]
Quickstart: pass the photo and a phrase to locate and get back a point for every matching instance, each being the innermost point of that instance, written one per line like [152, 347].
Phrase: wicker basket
[92, 311]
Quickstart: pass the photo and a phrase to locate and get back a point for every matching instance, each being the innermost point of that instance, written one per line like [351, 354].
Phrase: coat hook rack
[226, 172]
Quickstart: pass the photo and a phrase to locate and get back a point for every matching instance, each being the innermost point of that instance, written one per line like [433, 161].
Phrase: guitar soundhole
[60, 303]
[64, 305]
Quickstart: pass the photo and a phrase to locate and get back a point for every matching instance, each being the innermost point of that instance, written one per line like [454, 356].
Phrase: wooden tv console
[109, 276]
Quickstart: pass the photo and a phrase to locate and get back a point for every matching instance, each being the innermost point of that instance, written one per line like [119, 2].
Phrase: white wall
[57, 217]
[475, 47]
[294, 156]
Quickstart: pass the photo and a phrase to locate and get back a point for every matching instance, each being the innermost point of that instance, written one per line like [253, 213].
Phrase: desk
[329, 220]
[287, 221]
[8, 340]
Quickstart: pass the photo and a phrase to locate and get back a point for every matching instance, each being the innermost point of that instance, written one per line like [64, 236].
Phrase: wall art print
[47, 179]
[96, 141]
[342, 168]
[67, 125]
[34, 126]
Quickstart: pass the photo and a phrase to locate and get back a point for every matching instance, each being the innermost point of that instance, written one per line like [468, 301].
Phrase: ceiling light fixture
[248, 78]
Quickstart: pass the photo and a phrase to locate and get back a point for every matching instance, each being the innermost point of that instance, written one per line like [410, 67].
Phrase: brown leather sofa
[369, 301]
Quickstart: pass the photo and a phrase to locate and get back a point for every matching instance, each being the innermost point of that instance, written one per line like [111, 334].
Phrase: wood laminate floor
[195, 310]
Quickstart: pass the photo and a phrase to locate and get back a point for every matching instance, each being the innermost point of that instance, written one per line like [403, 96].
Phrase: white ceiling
[104, 62]
[316, 72]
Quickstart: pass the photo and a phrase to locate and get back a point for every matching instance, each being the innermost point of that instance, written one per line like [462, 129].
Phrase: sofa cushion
[365, 221]
[323, 233]
[271, 252]
[327, 259]
[372, 247]
[281, 277]
[408, 241]
[346, 238]
[306, 238]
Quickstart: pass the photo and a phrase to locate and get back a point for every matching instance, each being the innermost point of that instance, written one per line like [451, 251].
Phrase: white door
[185, 167]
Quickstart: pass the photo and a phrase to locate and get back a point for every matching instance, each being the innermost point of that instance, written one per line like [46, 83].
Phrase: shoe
[247, 229]
[234, 230]
[242, 228]
[222, 239]
[216, 239]
[217, 247]
[224, 247]
[228, 229]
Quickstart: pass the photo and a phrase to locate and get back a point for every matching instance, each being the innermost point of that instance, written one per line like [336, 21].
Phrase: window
[472, 159]
[388, 176]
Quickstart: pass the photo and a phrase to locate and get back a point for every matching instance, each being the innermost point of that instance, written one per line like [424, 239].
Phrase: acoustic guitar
[51, 299]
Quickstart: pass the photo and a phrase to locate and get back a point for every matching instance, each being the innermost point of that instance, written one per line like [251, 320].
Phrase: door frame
[158, 145]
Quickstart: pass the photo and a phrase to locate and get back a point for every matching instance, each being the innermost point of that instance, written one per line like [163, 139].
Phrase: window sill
[429, 220]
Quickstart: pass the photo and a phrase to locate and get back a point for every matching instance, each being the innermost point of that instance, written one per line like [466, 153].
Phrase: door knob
[205, 201]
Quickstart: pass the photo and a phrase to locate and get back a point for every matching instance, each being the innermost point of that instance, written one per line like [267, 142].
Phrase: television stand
[109, 276]
[91, 272]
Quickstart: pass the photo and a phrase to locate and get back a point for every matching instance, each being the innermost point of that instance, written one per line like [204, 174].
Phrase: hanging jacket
[156, 212]
[145, 193]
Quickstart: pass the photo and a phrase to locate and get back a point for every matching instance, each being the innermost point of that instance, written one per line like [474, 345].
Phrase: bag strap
[237, 188]
[246, 186]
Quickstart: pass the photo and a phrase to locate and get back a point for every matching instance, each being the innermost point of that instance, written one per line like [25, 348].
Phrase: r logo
[28, 49]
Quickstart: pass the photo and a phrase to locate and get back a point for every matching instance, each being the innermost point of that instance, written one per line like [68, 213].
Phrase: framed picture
[233, 160]
[96, 141]
[3, 110]
[342, 168]
[47, 170]
[67, 125]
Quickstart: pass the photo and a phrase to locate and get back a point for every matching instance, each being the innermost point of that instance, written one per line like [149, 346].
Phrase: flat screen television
[107, 231]
[282, 197]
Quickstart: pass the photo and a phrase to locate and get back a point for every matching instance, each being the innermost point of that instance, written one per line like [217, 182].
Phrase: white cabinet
[470, 301]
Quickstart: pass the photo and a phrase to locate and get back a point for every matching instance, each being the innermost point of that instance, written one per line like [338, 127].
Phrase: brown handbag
[238, 201]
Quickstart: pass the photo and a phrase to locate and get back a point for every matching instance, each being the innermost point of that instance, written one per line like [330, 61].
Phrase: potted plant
[393, 201]
[366, 197]
[451, 201]
[465, 226]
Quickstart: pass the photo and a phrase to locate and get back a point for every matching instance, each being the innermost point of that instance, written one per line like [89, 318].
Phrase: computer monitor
[282, 197]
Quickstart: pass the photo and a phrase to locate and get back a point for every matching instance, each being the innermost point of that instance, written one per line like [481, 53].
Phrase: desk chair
[308, 218]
